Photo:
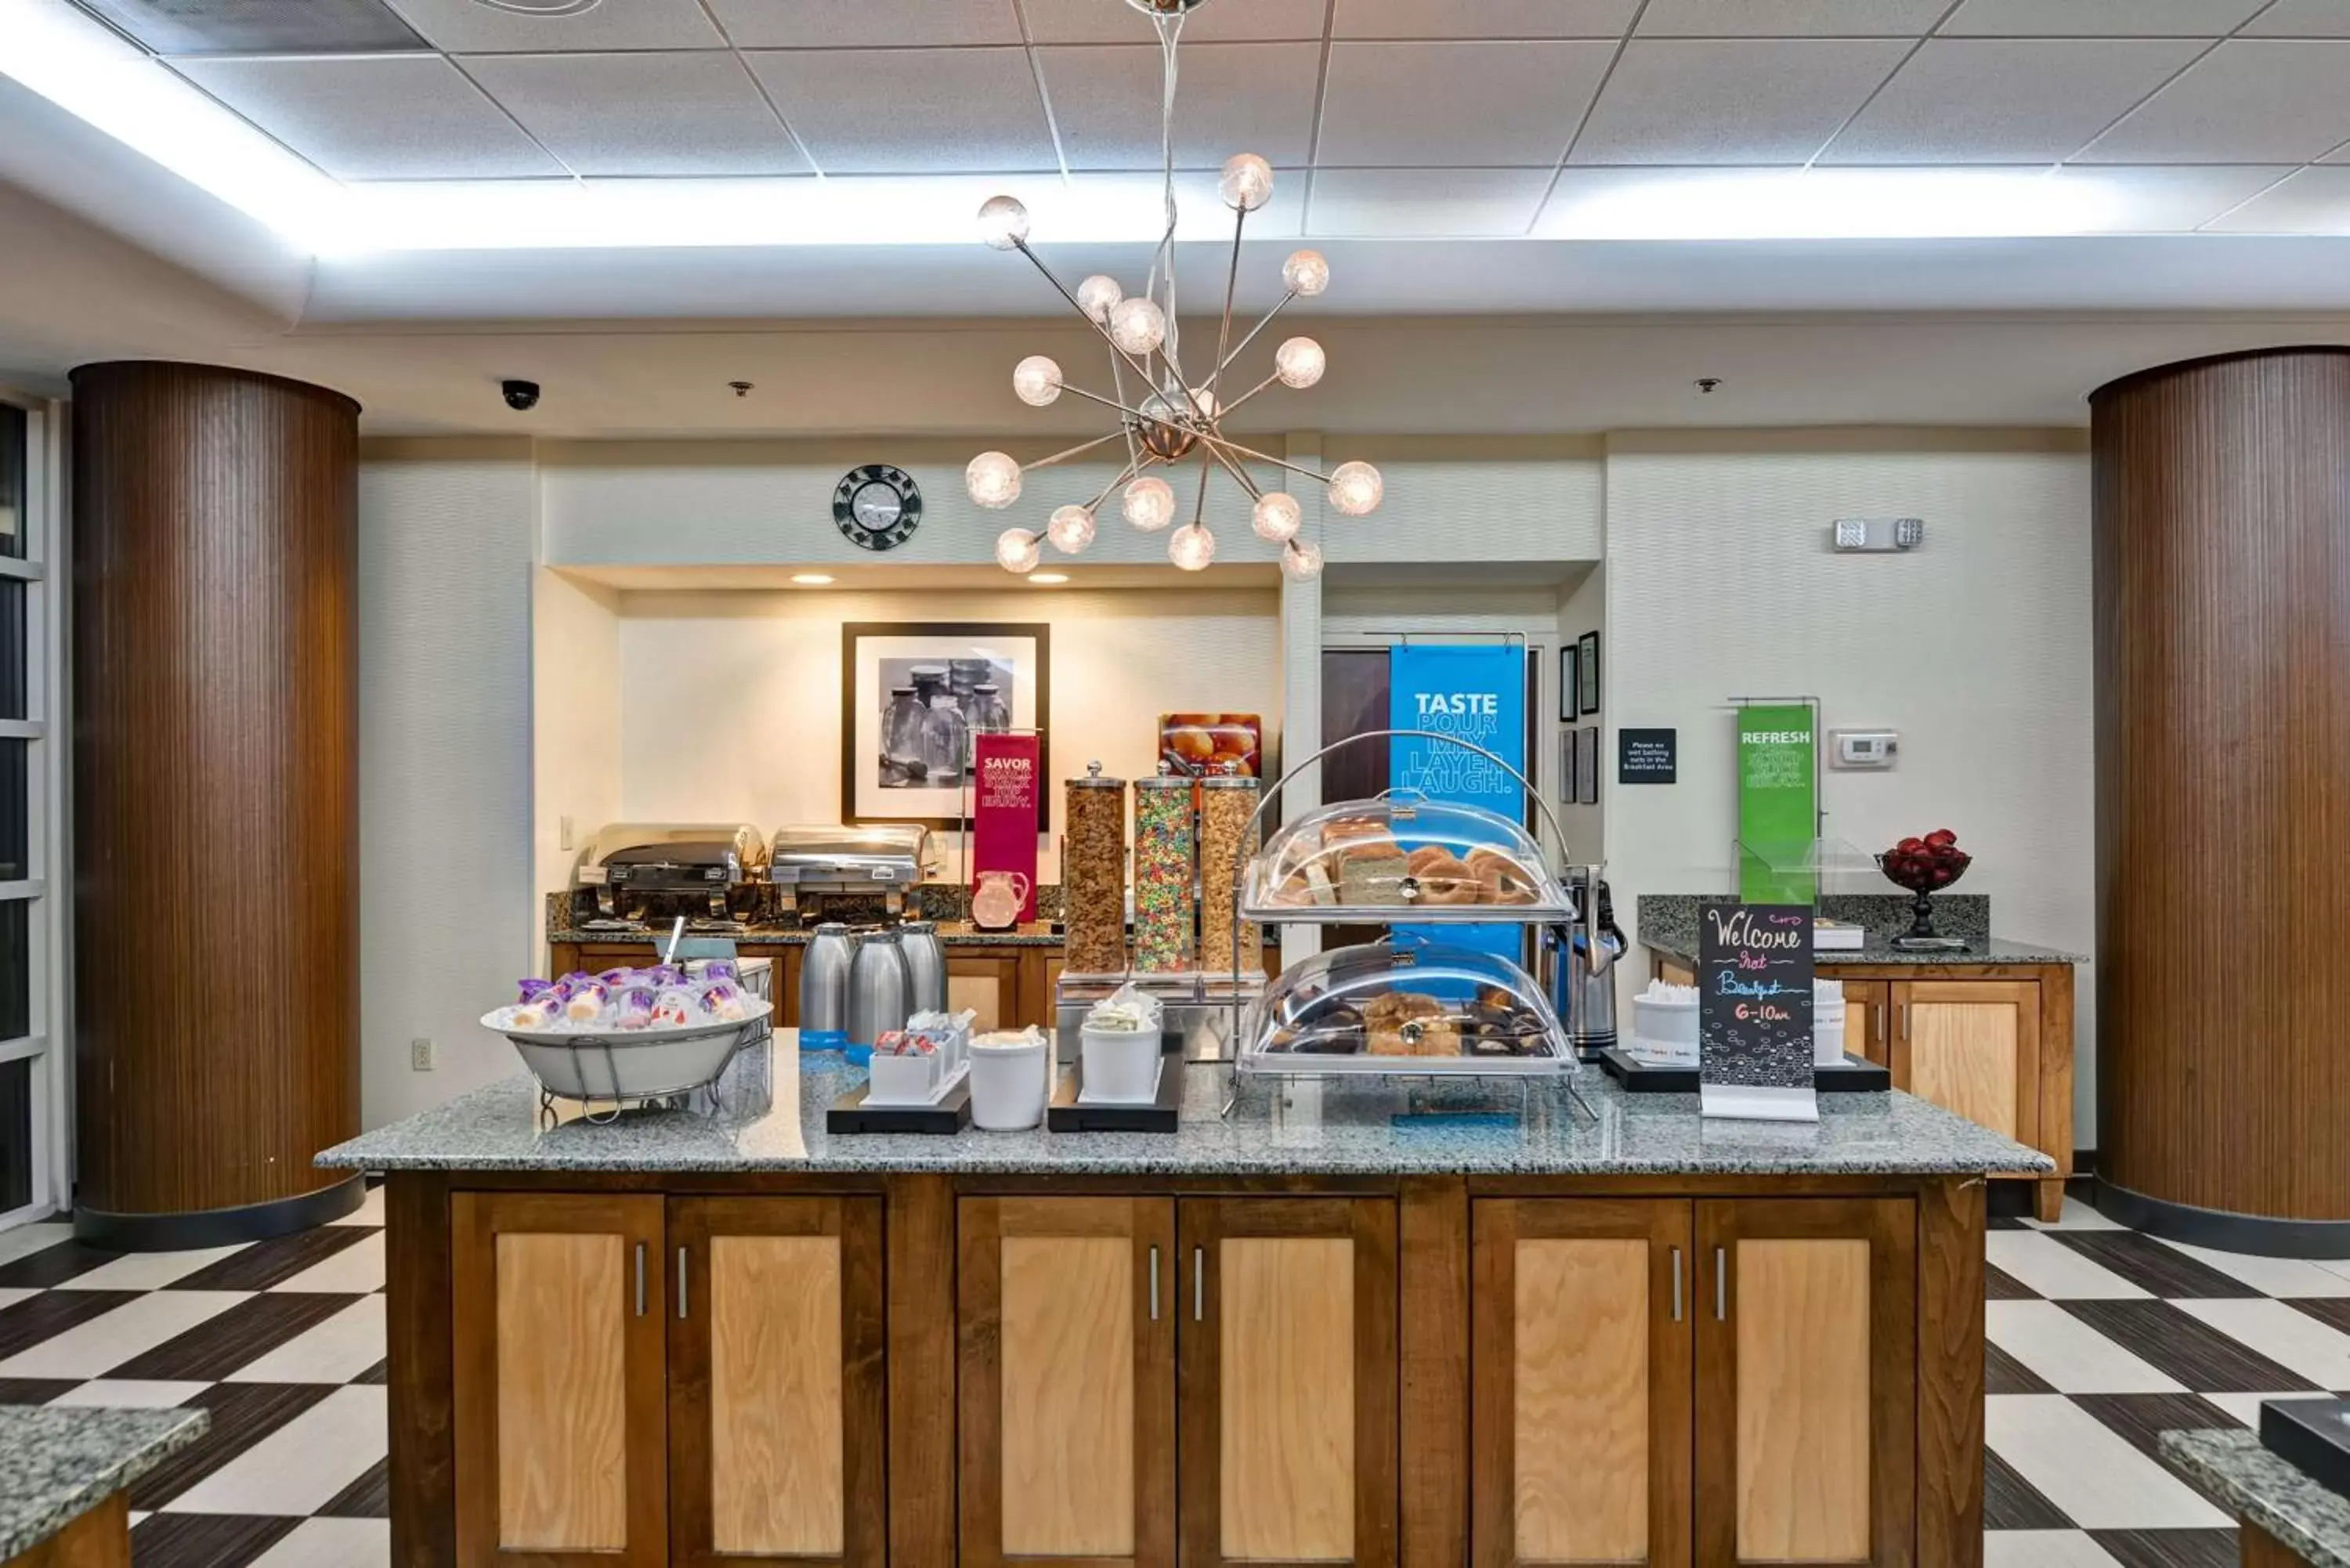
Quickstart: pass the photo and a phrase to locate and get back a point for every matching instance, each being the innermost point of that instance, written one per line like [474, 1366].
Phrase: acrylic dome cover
[1404, 1007]
[1408, 858]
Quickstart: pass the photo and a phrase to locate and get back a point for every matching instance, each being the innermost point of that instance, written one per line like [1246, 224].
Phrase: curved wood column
[215, 801]
[2222, 634]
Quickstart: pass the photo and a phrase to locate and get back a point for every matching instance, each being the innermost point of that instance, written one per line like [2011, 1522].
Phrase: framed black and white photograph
[1587, 765]
[1567, 767]
[1587, 671]
[912, 693]
[1570, 684]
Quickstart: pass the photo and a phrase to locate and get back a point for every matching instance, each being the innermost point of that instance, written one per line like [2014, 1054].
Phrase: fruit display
[1925, 865]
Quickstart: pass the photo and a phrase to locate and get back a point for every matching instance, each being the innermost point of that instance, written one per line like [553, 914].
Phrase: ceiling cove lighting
[1167, 415]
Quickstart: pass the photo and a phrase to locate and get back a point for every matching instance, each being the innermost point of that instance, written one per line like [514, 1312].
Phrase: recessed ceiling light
[811, 579]
[1048, 579]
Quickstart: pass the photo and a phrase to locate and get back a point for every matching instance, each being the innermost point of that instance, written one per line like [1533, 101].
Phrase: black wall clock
[878, 506]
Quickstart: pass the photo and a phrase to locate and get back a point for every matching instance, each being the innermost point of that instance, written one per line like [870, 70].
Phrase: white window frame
[43, 570]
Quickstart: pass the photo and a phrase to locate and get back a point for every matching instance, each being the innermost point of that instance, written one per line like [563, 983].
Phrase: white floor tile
[24, 1238]
[12, 1295]
[2246, 1407]
[369, 1212]
[2042, 1549]
[336, 1350]
[332, 1543]
[130, 1393]
[153, 1271]
[2087, 1470]
[2077, 1216]
[2289, 1338]
[2334, 1266]
[299, 1468]
[2074, 1357]
[2054, 1270]
[94, 1348]
[2270, 1276]
[359, 1268]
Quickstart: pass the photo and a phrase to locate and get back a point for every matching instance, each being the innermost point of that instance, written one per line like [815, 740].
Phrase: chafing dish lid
[680, 844]
[884, 851]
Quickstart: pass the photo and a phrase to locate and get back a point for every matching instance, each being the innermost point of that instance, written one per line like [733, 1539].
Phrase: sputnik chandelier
[1167, 416]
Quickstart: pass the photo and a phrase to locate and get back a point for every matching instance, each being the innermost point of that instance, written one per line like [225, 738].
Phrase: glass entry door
[32, 1093]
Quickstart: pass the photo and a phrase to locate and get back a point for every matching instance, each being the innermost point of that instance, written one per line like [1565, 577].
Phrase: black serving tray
[1066, 1114]
[1856, 1076]
[2313, 1435]
[851, 1114]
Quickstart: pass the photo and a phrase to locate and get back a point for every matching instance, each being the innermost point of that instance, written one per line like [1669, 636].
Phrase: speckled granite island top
[1682, 947]
[1529, 1128]
[56, 1464]
[2273, 1493]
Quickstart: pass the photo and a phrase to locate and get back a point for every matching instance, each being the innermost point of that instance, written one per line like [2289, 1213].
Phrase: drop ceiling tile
[2311, 201]
[2302, 19]
[1467, 105]
[2247, 101]
[468, 27]
[1788, 18]
[911, 111]
[2156, 201]
[1424, 204]
[1748, 101]
[1488, 19]
[1107, 21]
[867, 24]
[1236, 97]
[313, 27]
[400, 117]
[2097, 18]
[2006, 100]
[642, 114]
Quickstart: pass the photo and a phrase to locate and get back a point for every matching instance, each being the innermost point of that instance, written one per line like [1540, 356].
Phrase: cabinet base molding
[219, 1227]
[2221, 1230]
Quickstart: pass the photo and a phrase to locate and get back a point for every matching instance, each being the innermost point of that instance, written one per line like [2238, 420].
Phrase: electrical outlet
[563, 834]
[420, 1056]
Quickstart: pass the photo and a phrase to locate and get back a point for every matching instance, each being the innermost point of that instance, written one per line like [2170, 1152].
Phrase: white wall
[1720, 583]
[445, 915]
[575, 734]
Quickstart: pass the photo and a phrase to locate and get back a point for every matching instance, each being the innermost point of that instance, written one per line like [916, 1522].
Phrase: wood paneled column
[2222, 612]
[215, 802]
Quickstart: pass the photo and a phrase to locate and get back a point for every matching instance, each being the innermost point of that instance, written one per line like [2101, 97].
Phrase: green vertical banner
[1778, 803]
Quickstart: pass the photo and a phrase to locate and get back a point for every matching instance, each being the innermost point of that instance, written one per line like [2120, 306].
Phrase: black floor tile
[2332, 1311]
[2146, 1263]
[34, 1390]
[243, 1413]
[205, 1540]
[2010, 1503]
[2192, 1351]
[2000, 1286]
[2170, 1548]
[273, 1263]
[2003, 1374]
[225, 1342]
[52, 1266]
[370, 1497]
[2005, 1222]
[2140, 1419]
[51, 1313]
[379, 1373]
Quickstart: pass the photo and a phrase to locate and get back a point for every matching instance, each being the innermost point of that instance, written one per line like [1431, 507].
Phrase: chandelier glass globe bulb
[1149, 504]
[1277, 517]
[993, 479]
[1098, 296]
[1138, 325]
[1038, 381]
[1207, 404]
[1301, 561]
[1307, 272]
[1299, 363]
[1191, 548]
[1003, 222]
[1247, 183]
[1016, 551]
[1071, 529]
[1355, 489]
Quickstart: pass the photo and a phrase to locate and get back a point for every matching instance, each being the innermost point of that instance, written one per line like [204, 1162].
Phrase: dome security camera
[520, 396]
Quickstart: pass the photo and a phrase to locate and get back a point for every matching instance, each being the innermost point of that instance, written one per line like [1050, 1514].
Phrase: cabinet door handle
[1905, 1021]
[1199, 1285]
[1154, 1284]
[640, 1278]
[681, 1282]
[1677, 1285]
[1721, 1284]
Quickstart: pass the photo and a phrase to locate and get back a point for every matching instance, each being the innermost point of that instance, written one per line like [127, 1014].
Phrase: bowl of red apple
[1925, 865]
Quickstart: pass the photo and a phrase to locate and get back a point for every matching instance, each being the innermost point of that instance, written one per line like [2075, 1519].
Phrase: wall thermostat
[1862, 748]
[1880, 533]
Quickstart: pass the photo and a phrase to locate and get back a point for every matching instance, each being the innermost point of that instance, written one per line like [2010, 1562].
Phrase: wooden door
[1582, 1355]
[1067, 1396]
[1806, 1381]
[1971, 1046]
[1865, 1020]
[776, 1387]
[1288, 1381]
[989, 985]
[558, 1376]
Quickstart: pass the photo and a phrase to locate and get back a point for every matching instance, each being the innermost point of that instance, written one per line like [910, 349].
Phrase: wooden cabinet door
[1866, 1020]
[988, 985]
[776, 1387]
[557, 1379]
[1582, 1350]
[1972, 1047]
[1066, 1395]
[1806, 1381]
[1288, 1381]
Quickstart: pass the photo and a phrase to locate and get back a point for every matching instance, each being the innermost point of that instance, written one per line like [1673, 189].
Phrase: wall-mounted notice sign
[1647, 756]
[1754, 1012]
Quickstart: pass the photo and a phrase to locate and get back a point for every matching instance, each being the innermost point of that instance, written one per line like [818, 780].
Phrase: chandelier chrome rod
[1242, 346]
[1036, 260]
[1107, 402]
[1252, 453]
[1240, 475]
[1251, 392]
[1200, 511]
[1118, 381]
[1073, 451]
[1232, 288]
[1133, 470]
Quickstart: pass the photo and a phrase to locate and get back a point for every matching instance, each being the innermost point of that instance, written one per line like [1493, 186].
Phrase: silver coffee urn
[879, 988]
[824, 989]
[926, 967]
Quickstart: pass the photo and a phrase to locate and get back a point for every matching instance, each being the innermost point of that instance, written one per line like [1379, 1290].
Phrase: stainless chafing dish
[883, 858]
[629, 860]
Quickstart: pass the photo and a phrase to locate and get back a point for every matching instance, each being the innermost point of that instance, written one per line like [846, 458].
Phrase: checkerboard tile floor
[2100, 1338]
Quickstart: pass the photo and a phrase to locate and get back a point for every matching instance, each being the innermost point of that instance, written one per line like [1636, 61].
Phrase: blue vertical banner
[1476, 694]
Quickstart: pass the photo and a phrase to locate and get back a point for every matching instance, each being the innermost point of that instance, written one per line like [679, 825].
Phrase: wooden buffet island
[1373, 1325]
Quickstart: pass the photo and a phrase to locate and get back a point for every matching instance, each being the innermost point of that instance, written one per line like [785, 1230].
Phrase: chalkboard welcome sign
[1754, 1012]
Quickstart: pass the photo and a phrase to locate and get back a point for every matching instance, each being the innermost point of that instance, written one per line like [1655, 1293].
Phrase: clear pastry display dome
[1403, 1007]
[1402, 858]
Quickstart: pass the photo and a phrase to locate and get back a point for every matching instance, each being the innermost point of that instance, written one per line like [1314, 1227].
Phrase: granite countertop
[1682, 946]
[953, 934]
[772, 1114]
[1666, 923]
[56, 1464]
[2273, 1493]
